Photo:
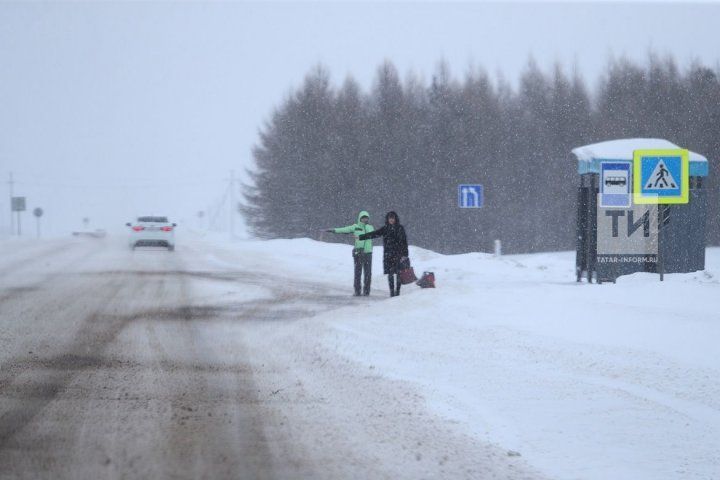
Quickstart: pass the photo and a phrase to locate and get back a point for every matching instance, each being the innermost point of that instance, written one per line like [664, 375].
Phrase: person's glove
[330, 230]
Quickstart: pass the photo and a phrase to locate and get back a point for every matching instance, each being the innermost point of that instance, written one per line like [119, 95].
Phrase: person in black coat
[395, 249]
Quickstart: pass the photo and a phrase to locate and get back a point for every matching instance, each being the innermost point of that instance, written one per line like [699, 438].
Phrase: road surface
[121, 364]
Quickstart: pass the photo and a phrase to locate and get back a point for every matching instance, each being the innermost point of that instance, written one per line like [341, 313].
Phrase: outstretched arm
[348, 229]
[374, 234]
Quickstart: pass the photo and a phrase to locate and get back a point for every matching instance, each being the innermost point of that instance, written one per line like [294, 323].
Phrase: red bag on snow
[427, 280]
[407, 274]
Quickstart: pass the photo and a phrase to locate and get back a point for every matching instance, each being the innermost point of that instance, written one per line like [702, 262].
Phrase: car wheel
[171, 248]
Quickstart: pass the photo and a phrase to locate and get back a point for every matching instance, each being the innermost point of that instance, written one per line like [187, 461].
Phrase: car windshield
[153, 219]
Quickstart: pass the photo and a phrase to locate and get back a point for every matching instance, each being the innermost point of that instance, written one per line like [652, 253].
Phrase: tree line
[327, 152]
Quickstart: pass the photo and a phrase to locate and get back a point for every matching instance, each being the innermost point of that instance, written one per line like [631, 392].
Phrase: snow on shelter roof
[589, 155]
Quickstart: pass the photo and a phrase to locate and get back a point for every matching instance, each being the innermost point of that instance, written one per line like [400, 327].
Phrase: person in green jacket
[362, 253]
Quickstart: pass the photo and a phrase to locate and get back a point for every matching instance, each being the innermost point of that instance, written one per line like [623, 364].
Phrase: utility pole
[232, 204]
[12, 213]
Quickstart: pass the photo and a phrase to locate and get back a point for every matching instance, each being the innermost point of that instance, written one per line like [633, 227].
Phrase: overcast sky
[110, 110]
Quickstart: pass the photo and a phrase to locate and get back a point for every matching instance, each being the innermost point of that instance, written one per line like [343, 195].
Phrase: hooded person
[362, 252]
[395, 249]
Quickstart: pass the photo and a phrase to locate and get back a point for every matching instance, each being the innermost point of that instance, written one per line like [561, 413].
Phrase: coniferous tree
[406, 146]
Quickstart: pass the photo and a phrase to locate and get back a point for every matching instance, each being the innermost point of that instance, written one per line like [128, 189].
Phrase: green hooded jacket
[358, 229]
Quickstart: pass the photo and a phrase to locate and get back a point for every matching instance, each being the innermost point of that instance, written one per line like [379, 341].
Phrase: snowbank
[585, 381]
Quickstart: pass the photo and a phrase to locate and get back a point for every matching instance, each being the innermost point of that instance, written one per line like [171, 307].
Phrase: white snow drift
[584, 381]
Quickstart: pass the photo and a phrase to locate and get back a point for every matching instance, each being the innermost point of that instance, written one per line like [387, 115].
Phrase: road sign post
[661, 176]
[18, 205]
[470, 196]
[615, 187]
[38, 212]
[11, 184]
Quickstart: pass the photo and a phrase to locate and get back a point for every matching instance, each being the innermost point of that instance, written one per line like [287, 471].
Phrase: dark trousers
[363, 264]
[394, 284]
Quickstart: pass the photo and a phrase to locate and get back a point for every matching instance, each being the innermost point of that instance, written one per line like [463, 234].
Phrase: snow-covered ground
[613, 381]
[507, 356]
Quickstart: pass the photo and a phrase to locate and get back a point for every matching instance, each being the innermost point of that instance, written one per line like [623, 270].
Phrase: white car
[152, 232]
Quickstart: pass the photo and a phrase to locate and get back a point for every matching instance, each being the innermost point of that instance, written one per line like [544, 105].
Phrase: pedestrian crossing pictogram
[661, 176]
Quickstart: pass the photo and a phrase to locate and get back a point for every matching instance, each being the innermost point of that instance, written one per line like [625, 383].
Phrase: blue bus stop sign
[615, 186]
[470, 196]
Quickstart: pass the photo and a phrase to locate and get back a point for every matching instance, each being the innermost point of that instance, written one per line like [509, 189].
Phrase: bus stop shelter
[679, 229]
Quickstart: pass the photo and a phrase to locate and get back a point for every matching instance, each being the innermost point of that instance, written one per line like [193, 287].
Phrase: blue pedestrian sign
[661, 176]
[615, 188]
[470, 196]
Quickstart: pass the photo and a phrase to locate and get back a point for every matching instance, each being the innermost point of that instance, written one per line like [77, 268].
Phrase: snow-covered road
[215, 361]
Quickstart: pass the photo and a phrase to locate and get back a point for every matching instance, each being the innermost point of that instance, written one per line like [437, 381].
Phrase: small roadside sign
[38, 212]
[661, 176]
[470, 196]
[18, 204]
[615, 184]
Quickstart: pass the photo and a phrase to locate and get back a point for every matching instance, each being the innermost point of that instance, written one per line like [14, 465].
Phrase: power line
[188, 183]
[226, 207]
[11, 183]
[213, 218]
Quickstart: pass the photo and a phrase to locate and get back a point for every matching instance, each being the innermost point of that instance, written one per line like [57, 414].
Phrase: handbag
[406, 272]
[427, 280]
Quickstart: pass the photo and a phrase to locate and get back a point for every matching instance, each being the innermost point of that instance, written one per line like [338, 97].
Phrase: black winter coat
[394, 243]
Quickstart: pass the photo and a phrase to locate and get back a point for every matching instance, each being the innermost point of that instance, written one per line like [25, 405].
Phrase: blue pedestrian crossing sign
[661, 176]
[470, 196]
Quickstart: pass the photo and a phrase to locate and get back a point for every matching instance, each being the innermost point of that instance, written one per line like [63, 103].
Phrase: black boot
[397, 287]
[391, 284]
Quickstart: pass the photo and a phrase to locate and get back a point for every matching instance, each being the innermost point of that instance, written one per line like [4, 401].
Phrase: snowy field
[613, 381]
[508, 369]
